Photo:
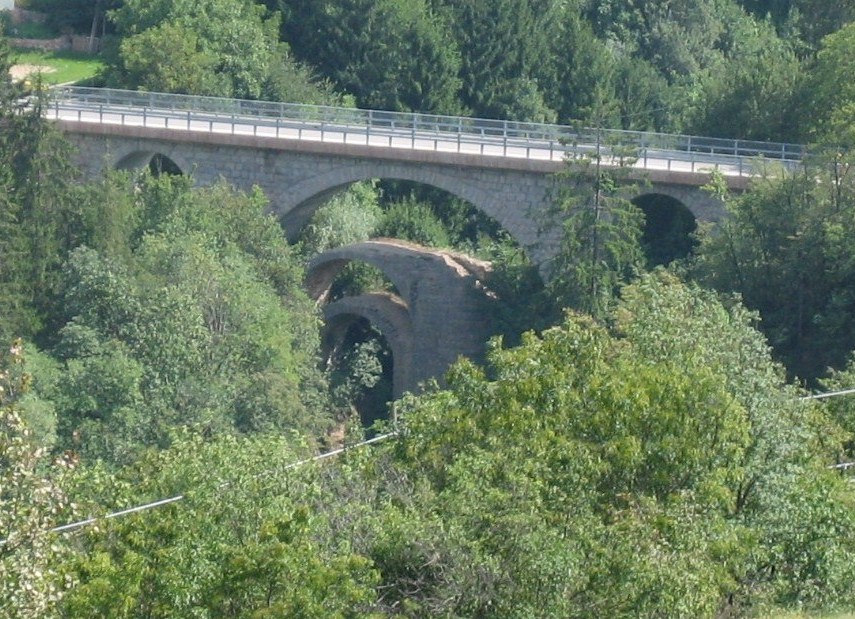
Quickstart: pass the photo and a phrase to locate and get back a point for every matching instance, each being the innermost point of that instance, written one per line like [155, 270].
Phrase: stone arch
[397, 260]
[669, 226]
[153, 159]
[438, 315]
[303, 198]
[390, 315]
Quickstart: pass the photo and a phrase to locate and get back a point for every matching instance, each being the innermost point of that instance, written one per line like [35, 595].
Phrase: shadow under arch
[306, 197]
[390, 316]
[157, 163]
[669, 227]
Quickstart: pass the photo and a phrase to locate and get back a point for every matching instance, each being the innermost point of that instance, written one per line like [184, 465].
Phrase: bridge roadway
[486, 142]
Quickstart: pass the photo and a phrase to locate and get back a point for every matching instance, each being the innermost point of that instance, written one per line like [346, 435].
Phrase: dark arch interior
[360, 367]
[156, 163]
[668, 229]
[161, 164]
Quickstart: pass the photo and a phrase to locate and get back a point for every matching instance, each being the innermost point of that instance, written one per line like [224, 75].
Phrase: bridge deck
[399, 132]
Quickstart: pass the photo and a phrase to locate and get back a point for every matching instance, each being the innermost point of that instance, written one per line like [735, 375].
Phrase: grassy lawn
[67, 66]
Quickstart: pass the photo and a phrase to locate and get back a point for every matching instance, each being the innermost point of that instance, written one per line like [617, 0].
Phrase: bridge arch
[668, 229]
[389, 315]
[397, 260]
[296, 208]
[157, 161]
[438, 315]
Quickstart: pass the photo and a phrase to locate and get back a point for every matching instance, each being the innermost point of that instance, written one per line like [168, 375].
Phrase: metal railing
[414, 130]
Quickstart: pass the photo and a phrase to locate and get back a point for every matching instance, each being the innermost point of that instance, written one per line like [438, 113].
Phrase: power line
[329, 454]
[829, 394]
[180, 497]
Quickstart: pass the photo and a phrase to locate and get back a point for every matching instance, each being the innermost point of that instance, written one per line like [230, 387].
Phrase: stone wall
[297, 177]
[48, 45]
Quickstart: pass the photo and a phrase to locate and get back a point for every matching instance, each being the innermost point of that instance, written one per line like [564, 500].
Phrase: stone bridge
[439, 308]
[299, 176]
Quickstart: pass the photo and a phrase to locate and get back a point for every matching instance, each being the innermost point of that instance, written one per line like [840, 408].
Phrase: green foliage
[601, 231]
[390, 54]
[347, 218]
[752, 92]
[242, 543]
[662, 467]
[784, 247]
[413, 221]
[79, 16]
[226, 48]
[502, 46]
[187, 310]
[827, 96]
[31, 501]
[36, 207]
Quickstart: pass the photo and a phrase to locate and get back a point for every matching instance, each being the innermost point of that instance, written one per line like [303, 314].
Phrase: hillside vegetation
[637, 443]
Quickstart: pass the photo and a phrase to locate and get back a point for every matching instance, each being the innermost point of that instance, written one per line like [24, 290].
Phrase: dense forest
[638, 441]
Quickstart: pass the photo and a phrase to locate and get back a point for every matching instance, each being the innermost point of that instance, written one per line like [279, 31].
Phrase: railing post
[736, 148]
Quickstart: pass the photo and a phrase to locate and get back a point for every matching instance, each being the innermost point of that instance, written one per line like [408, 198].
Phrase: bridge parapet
[415, 131]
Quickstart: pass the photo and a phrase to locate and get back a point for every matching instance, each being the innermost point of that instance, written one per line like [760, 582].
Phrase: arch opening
[392, 207]
[336, 279]
[360, 365]
[156, 163]
[669, 228]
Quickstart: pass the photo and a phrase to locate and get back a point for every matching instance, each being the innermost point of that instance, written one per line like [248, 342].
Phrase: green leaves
[226, 48]
[31, 501]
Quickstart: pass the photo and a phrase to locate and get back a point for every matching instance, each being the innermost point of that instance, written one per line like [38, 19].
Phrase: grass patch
[67, 66]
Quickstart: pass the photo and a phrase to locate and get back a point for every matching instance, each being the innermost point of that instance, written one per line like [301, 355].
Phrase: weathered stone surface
[298, 177]
[439, 314]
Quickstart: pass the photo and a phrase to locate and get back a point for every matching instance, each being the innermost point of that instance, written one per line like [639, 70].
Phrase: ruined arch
[389, 315]
[668, 230]
[395, 259]
[437, 316]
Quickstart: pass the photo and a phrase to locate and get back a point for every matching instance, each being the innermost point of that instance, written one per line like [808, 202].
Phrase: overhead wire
[72, 526]
[326, 455]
